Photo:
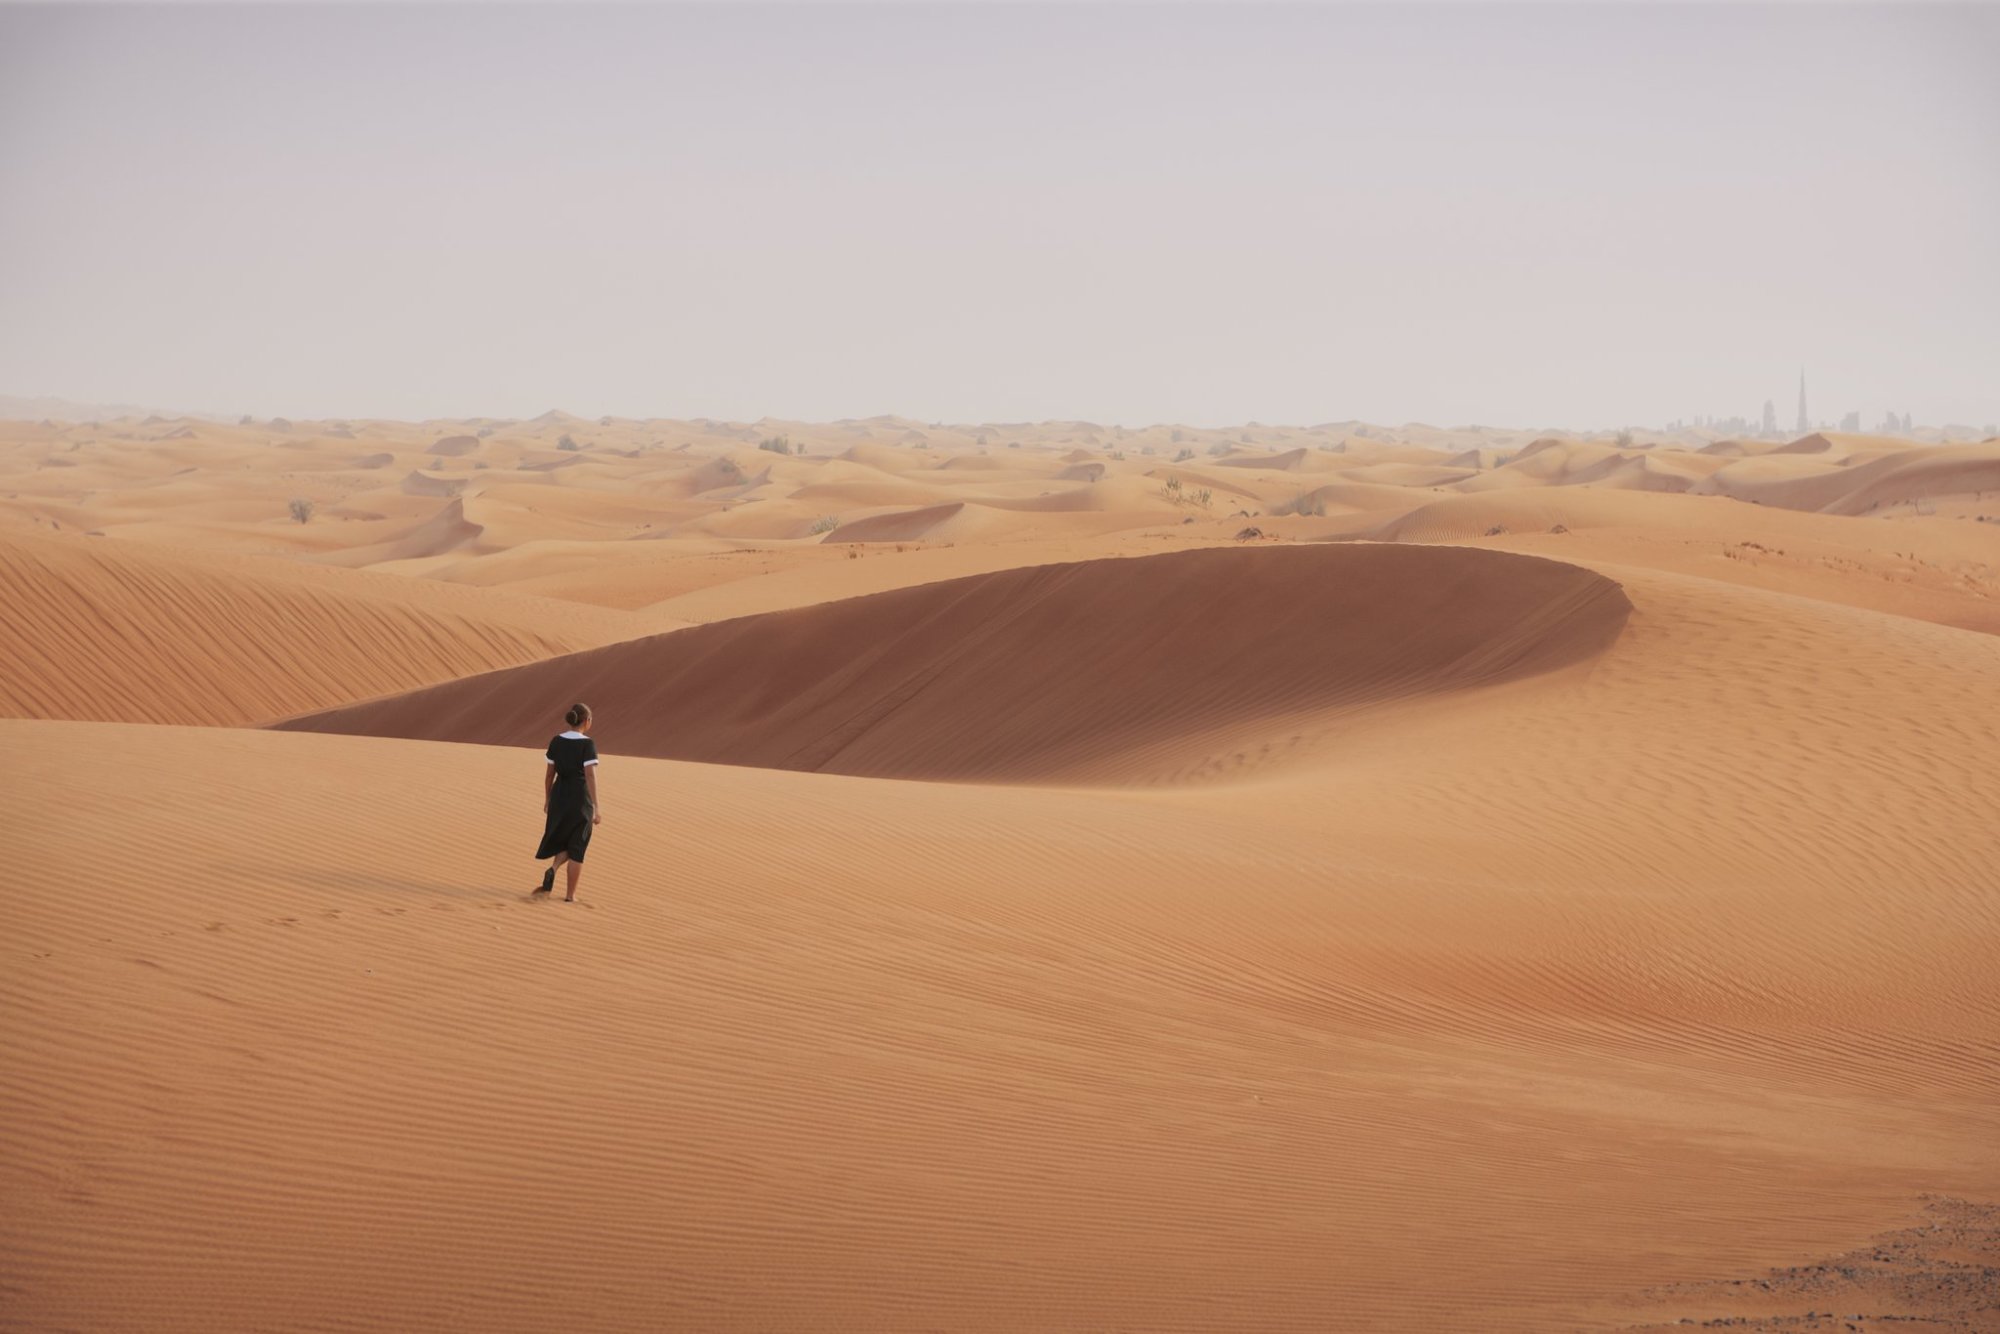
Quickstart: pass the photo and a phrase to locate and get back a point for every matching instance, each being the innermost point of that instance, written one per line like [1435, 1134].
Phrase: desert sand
[1053, 877]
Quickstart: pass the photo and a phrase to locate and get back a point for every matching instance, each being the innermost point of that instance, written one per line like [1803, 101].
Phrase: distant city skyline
[1206, 214]
[1849, 422]
[27, 408]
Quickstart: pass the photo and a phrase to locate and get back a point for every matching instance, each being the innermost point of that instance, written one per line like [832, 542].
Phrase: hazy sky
[1537, 215]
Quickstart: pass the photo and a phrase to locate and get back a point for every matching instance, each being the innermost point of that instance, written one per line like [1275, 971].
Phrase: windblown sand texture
[1054, 877]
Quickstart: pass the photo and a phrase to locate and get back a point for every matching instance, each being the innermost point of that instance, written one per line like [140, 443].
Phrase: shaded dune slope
[1903, 476]
[899, 526]
[98, 632]
[1067, 672]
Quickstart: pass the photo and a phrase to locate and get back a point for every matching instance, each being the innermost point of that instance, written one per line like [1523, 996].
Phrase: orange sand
[1523, 889]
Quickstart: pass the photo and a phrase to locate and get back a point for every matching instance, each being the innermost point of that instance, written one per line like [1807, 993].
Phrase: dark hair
[578, 715]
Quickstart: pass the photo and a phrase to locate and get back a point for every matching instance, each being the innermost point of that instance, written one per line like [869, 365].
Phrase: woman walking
[569, 799]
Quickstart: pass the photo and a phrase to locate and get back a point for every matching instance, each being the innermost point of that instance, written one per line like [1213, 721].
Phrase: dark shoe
[548, 881]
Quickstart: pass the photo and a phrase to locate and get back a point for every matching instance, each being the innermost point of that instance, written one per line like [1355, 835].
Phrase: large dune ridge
[1051, 672]
[1055, 876]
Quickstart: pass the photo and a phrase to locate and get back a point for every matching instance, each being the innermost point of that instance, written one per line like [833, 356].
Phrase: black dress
[568, 828]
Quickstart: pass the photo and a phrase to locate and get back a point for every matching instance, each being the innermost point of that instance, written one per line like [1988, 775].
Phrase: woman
[569, 799]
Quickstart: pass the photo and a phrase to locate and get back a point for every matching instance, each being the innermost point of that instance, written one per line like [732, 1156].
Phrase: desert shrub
[1013, 444]
[1185, 454]
[777, 444]
[825, 523]
[1171, 488]
[1624, 439]
[1177, 440]
[302, 509]
[1118, 454]
[1219, 447]
[1249, 534]
[568, 445]
[1310, 506]
[1496, 530]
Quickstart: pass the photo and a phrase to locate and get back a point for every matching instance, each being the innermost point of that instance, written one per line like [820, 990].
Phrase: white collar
[571, 736]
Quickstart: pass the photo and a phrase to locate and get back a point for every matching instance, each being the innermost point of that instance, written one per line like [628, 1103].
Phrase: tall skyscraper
[1804, 425]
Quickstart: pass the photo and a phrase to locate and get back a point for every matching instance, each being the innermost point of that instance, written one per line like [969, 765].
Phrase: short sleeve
[589, 751]
[552, 751]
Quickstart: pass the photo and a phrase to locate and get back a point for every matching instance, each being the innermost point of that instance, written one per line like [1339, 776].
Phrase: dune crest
[1057, 672]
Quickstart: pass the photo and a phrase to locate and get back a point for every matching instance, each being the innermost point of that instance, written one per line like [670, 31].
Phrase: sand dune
[98, 630]
[900, 525]
[974, 463]
[1457, 518]
[424, 484]
[1646, 472]
[1405, 474]
[1310, 935]
[447, 530]
[885, 457]
[836, 496]
[1291, 460]
[1037, 673]
[1904, 477]
[1536, 1008]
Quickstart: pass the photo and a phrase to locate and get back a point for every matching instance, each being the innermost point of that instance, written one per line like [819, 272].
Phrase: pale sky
[1534, 216]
